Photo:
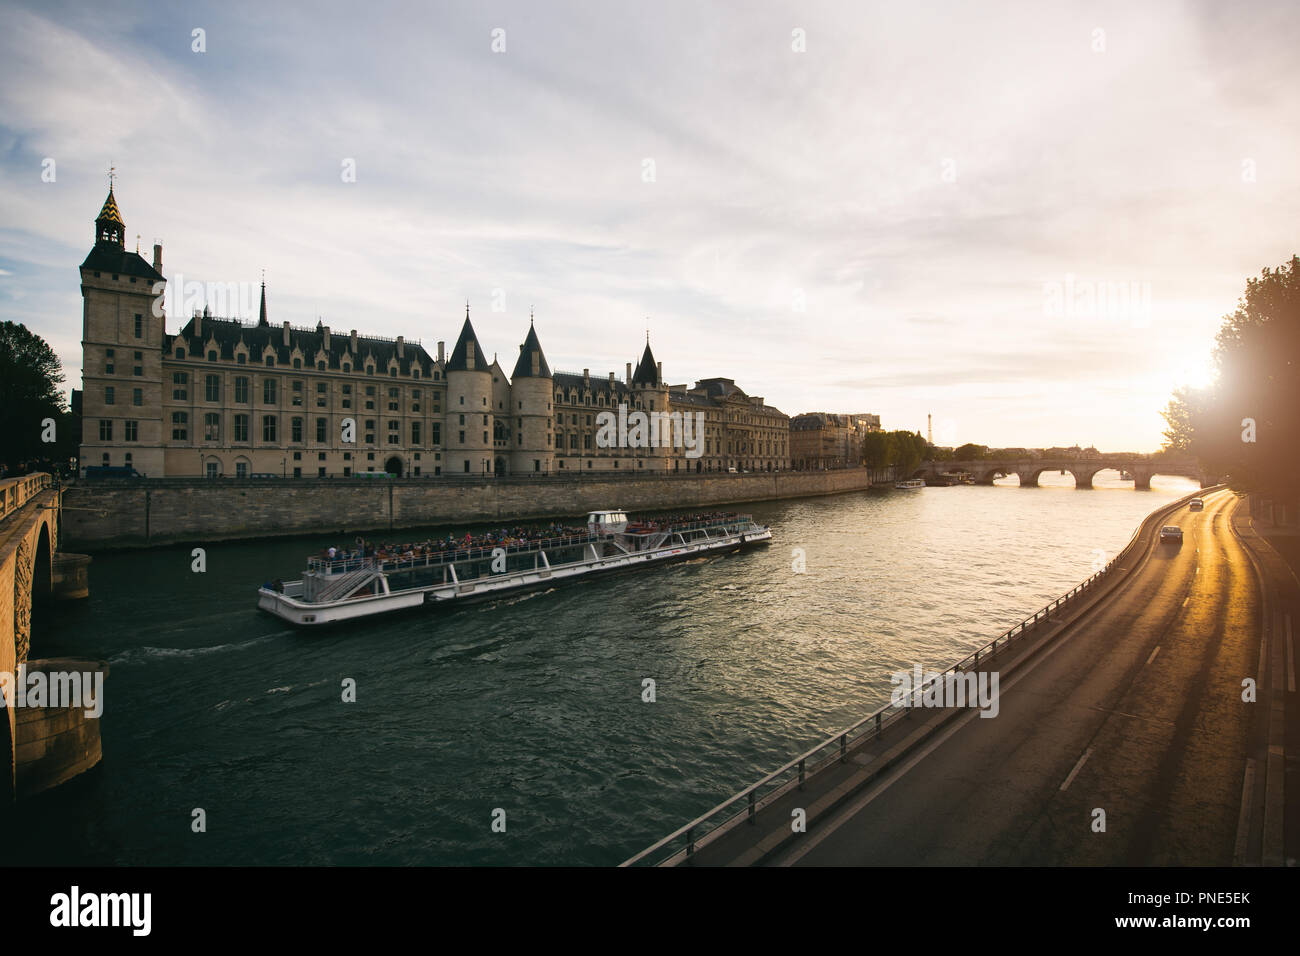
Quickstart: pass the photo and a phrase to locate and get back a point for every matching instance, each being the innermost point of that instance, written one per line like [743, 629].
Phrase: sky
[1026, 220]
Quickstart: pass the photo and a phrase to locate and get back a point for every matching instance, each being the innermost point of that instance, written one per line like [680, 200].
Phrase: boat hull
[306, 614]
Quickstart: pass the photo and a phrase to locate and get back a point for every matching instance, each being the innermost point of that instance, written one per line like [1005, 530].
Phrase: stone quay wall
[109, 514]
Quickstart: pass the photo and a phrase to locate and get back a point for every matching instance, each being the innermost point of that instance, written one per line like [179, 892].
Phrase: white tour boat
[910, 483]
[346, 588]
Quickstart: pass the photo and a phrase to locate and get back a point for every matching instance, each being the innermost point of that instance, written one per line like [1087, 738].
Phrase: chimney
[611, 378]
[441, 349]
[629, 373]
[198, 326]
[354, 341]
[325, 331]
[661, 372]
[286, 334]
[401, 342]
[586, 376]
[157, 257]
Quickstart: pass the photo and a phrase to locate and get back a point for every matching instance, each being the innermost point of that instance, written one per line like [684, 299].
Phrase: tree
[907, 450]
[970, 452]
[30, 376]
[875, 450]
[1247, 423]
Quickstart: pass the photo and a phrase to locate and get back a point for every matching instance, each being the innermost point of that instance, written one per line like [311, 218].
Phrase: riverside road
[1135, 713]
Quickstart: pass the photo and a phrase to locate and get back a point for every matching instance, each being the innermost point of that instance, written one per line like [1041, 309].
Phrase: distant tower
[929, 429]
[121, 347]
[469, 442]
[531, 392]
[650, 393]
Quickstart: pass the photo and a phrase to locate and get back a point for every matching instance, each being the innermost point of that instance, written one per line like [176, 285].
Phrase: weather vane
[112, 171]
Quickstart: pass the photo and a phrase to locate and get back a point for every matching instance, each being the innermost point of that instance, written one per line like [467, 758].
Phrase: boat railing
[451, 555]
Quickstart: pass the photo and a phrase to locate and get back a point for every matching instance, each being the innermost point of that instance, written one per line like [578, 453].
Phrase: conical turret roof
[466, 345]
[531, 347]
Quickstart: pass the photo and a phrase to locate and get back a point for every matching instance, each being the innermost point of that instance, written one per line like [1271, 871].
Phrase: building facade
[221, 398]
[823, 440]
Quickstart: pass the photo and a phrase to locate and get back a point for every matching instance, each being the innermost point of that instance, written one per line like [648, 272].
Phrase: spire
[467, 356]
[532, 362]
[261, 315]
[109, 228]
[647, 371]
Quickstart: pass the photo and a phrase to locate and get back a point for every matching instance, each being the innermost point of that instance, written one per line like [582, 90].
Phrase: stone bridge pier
[30, 573]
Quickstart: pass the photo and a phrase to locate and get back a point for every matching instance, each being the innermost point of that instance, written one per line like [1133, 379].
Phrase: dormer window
[180, 353]
[212, 355]
[270, 361]
[297, 363]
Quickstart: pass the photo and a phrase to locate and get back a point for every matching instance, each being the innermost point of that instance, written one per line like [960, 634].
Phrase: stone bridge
[30, 572]
[1141, 467]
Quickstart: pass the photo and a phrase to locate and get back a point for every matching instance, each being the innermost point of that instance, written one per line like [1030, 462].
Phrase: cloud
[867, 225]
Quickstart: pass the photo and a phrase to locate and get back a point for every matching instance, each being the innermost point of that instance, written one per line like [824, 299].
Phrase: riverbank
[103, 515]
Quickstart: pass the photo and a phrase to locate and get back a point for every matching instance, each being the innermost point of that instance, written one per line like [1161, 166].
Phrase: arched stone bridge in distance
[1084, 469]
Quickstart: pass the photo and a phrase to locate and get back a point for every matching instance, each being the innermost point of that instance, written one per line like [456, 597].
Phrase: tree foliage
[30, 376]
[1247, 424]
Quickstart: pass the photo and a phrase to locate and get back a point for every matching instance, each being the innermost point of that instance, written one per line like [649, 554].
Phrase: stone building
[221, 398]
[822, 440]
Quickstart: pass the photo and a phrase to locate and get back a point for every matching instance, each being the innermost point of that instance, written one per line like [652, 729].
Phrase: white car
[1171, 532]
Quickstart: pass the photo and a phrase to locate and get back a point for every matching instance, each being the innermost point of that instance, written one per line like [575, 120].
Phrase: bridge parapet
[16, 492]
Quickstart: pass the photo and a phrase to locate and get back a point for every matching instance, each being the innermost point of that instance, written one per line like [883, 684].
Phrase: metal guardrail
[874, 723]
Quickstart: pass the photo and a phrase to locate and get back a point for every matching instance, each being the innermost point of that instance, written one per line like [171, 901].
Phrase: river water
[533, 704]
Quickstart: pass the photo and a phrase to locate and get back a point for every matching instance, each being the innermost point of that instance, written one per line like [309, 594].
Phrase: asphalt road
[1137, 712]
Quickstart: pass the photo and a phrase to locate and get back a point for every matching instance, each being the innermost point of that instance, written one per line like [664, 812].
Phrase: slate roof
[457, 362]
[116, 260]
[524, 367]
[647, 372]
[228, 333]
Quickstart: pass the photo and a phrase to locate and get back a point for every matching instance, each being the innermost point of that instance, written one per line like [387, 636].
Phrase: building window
[268, 428]
[415, 433]
[137, 397]
[297, 363]
[270, 361]
[180, 353]
[105, 429]
[212, 427]
[109, 395]
[180, 386]
[139, 324]
[212, 388]
[241, 428]
[180, 421]
[322, 429]
[241, 390]
[436, 429]
[320, 366]
[212, 355]
[211, 469]
[132, 429]
[241, 469]
[241, 358]
[268, 391]
[295, 432]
